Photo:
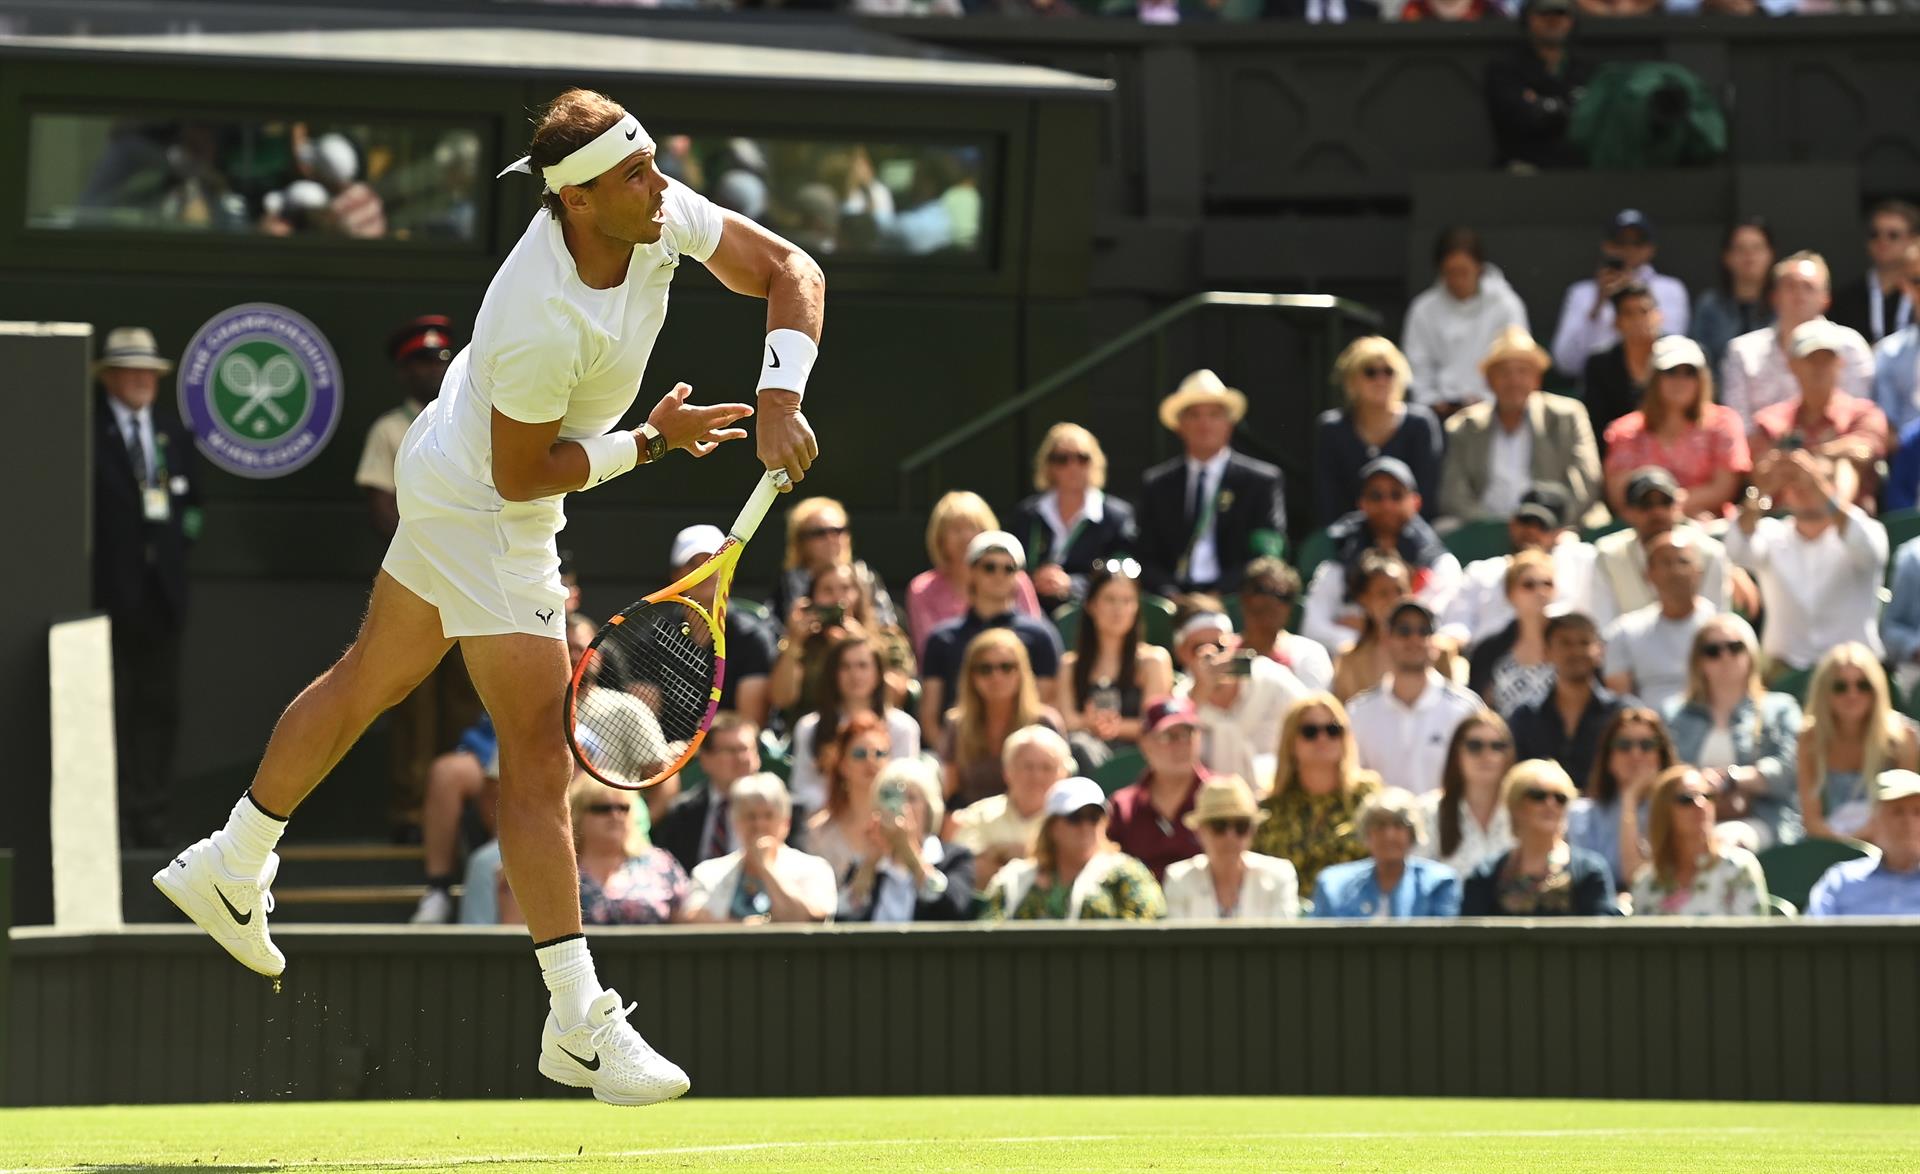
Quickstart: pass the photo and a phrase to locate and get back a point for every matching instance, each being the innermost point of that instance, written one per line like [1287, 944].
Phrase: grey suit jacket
[1564, 452]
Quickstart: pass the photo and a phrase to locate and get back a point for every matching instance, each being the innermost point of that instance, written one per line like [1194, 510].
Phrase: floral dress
[1314, 831]
[646, 890]
[1728, 885]
[1127, 893]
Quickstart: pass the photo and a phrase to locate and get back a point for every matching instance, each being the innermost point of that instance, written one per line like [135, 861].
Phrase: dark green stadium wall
[1724, 1011]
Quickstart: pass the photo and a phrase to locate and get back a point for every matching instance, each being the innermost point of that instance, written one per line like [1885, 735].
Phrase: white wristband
[788, 361]
[609, 456]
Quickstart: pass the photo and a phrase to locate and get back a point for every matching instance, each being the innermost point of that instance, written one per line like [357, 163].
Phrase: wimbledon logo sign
[260, 388]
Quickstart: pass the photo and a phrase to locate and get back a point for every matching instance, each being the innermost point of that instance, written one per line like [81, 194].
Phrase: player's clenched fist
[697, 429]
[782, 436]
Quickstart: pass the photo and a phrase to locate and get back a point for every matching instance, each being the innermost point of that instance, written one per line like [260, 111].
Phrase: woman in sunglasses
[1392, 881]
[998, 695]
[1466, 820]
[1542, 875]
[852, 680]
[818, 537]
[1741, 737]
[1509, 669]
[1632, 751]
[1377, 422]
[1111, 670]
[1690, 871]
[1228, 881]
[624, 880]
[1075, 872]
[1318, 788]
[1378, 584]
[1849, 735]
[837, 833]
[1072, 521]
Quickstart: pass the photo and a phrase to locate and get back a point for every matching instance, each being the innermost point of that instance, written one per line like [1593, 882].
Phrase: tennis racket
[643, 696]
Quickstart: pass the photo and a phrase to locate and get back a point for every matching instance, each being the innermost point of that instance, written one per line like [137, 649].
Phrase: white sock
[567, 968]
[249, 836]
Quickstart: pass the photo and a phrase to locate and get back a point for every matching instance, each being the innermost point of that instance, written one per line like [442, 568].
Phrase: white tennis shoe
[608, 1056]
[232, 909]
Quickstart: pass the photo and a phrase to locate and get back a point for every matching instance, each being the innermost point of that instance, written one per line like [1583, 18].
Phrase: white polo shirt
[1407, 745]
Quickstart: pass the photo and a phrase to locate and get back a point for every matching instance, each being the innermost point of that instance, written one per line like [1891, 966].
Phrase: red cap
[429, 332]
[1170, 711]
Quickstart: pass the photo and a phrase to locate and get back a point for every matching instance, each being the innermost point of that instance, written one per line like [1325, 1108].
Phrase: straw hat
[1515, 343]
[1224, 797]
[1201, 387]
[131, 346]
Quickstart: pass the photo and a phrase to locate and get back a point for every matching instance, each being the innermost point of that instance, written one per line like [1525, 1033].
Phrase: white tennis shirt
[547, 347]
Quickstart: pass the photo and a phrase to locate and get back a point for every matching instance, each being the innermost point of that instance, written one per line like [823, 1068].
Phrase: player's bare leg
[586, 1041]
[223, 881]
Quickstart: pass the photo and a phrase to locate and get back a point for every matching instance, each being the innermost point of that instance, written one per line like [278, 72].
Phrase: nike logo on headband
[631, 133]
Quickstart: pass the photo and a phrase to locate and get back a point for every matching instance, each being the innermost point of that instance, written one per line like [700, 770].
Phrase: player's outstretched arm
[530, 461]
[753, 261]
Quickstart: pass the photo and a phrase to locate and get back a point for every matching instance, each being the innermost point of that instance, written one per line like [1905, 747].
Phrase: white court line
[838, 1143]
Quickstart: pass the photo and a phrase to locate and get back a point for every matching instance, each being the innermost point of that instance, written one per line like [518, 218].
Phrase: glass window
[283, 177]
[844, 197]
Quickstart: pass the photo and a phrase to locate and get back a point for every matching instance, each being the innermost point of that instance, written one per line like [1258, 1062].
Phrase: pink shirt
[1717, 442]
[932, 601]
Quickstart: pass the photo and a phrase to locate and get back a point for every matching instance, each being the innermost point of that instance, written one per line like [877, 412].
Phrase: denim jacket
[1770, 745]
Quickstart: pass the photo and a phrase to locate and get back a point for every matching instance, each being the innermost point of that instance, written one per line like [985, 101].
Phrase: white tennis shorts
[489, 566]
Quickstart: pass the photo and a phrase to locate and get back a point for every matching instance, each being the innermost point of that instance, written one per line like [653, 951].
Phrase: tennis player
[558, 353]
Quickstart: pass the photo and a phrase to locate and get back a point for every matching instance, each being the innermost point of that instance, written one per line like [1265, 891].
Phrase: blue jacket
[1894, 359]
[1427, 889]
[1771, 746]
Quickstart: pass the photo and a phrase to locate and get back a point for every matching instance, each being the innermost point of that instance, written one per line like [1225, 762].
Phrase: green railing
[1334, 313]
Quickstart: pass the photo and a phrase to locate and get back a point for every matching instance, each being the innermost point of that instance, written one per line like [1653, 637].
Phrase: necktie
[136, 452]
[717, 843]
[1198, 493]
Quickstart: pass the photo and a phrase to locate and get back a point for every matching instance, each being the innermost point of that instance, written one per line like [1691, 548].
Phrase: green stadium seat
[1792, 869]
[1474, 541]
[775, 757]
[1123, 768]
[1902, 525]
[1318, 548]
[1066, 621]
[1793, 684]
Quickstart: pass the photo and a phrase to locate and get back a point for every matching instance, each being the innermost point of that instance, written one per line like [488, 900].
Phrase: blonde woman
[1075, 872]
[1742, 738]
[998, 695]
[1071, 524]
[818, 537]
[940, 593]
[624, 879]
[1849, 734]
[1377, 422]
[1690, 872]
[1318, 788]
[1543, 875]
[1680, 429]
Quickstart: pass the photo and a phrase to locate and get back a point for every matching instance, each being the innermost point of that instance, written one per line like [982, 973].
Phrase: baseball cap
[1000, 540]
[1544, 504]
[1392, 467]
[1168, 712]
[1410, 605]
[429, 332]
[1629, 220]
[1649, 480]
[1677, 350]
[1896, 784]
[1070, 795]
[1817, 335]
[695, 540]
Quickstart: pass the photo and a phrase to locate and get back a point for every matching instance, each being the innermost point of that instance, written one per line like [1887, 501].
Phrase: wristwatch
[656, 443]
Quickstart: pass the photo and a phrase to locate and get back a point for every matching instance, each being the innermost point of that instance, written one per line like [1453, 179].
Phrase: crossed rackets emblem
[260, 384]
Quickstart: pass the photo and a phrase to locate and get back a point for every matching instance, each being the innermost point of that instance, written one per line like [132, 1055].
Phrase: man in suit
[1497, 451]
[1878, 303]
[146, 515]
[1205, 514]
[696, 827]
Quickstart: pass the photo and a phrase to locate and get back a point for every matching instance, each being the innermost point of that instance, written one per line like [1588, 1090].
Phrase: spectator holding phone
[1239, 698]
[835, 608]
[819, 537]
[1586, 315]
[907, 872]
[1111, 671]
[1845, 435]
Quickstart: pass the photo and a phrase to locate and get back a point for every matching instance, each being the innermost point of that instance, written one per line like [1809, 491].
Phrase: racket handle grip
[755, 511]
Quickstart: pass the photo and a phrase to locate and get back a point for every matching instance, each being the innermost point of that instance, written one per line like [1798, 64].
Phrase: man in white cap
[1886, 884]
[1207, 512]
[146, 515]
[994, 559]
[530, 412]
[1756, 372]
[751, 642]
[1846, 434]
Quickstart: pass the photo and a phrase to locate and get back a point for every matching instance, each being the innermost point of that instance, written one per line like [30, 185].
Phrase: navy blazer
[1115, 535]
[1592, 887]
[1428, 889]
[133, 559]
[1250, 521]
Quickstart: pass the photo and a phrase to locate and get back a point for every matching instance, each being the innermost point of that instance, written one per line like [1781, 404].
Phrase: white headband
[618, 141]
[1206, 621]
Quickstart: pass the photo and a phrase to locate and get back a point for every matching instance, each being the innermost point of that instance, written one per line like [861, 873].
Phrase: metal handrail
[1340, 309]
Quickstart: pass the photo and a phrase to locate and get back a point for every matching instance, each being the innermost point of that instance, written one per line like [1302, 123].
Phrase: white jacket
[1445, 338]
[1270, 888]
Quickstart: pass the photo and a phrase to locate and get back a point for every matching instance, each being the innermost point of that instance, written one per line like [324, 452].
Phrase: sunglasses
[1536, 584]
[1486, 745]
[1860, 685]
[862, 753]
[1542, 795]
[1312, 731]
[1689, 799]
[992, 668]
[1646, 745]
[1069, 458]
[1086, 815]
[1229, 827]
[822, 532]
[1380, 495]
[1373, 371]
[1412, 631]
[609, 808]
[995, 568]
[1714, 649]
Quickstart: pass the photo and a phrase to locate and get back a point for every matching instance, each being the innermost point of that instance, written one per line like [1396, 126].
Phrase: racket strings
[645, 692]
